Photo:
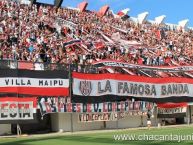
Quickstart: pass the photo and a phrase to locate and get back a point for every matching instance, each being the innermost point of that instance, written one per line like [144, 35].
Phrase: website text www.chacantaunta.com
[153, 137]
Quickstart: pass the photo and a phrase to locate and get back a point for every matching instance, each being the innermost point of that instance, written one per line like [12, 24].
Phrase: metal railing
[14, 64]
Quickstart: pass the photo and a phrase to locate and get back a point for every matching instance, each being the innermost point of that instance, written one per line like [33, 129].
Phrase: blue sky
[175, 10]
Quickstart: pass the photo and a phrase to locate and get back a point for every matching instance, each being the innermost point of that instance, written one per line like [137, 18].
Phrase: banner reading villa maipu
[113, 87]
[29, 82]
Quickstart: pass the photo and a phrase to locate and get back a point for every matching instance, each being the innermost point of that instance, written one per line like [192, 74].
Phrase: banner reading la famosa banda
[113, 87]
[29, 82]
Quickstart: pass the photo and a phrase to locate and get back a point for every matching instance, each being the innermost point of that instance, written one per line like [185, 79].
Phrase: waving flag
[72, 42]
[123, 14]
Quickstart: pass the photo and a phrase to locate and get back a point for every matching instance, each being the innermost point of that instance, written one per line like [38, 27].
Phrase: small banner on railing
[91, 117]
[111, 116]
[171, 110]
[110, 63]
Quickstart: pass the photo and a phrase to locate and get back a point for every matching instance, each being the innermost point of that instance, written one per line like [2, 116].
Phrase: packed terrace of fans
[38, 34]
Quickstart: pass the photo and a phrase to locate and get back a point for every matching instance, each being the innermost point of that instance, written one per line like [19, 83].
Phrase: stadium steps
[186, 73]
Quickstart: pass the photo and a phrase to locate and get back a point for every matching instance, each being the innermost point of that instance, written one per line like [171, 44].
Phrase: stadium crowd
[60, 35]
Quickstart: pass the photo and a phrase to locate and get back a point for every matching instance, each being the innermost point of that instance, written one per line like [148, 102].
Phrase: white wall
[62, 121]
[111, 124]
[5, 129]
[129, 121]
[78, 126]
[55, 121]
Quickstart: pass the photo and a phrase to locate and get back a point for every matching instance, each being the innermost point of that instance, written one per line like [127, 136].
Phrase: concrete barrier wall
[79, 126]
[62, 122]
[5, 129]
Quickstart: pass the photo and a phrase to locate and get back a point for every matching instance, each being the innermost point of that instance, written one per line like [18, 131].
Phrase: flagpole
[70, 95]
[18, 126]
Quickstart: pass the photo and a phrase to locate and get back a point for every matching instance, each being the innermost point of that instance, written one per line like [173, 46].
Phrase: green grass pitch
[102, 138]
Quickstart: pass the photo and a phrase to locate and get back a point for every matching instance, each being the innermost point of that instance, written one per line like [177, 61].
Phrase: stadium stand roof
[103, 10]
[139, 19]
[82, 6]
